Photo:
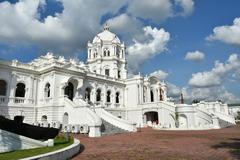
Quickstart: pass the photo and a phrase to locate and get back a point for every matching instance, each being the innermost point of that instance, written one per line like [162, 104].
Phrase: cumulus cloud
[227, 34]
[202, 94]
[159, 74]
[173, 90]
[196, 56]
[155, 43]
[209, 94]
[68, 31]
[119, 23]
[156, 10]
[217, 74]
[65, 32]
[187, 6]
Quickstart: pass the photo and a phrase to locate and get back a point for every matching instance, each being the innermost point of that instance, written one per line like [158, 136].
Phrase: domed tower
[106, 55]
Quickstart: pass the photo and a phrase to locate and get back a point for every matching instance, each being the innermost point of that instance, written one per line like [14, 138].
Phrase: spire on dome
[106, 27]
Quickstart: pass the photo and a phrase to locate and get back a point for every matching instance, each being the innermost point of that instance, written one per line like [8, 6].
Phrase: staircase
[108, 128]
[115, 121]
[224, 119]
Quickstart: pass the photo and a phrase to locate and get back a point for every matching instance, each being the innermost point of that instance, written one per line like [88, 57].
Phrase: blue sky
[30, 29]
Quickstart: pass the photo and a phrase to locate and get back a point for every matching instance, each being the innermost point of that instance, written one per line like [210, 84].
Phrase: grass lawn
[59, 142]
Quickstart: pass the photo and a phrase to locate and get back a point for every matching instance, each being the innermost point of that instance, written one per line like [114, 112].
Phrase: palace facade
[52, 91]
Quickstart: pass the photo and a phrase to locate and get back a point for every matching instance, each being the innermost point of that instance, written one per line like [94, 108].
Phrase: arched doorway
[98, 95]
[88, 94]
[151, 117]
[117, 97]
[3, 88]
[44, 118]
[152, 96]
[47, 90]
[69, 91]
[183, 123]
[20, 90]
[65, 118]
[108, 97]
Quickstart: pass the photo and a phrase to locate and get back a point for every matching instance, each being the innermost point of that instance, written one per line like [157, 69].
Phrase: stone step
[107, 128]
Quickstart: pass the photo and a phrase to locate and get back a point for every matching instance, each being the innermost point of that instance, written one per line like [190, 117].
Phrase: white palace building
[96, 96]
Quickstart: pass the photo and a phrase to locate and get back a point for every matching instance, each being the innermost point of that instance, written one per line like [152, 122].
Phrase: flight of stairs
[108, 128]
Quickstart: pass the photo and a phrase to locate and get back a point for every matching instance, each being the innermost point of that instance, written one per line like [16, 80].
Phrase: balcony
[19, 100]
[2, 99]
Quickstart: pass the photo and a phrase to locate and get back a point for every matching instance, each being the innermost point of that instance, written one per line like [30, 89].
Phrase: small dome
[106, 36]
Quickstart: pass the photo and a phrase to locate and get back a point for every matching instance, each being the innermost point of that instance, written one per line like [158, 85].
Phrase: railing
[166, 105]
[2, 99]
[118, 122]
[20, 100]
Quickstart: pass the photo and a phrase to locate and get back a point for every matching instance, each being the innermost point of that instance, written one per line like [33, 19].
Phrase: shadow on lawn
[233, 145]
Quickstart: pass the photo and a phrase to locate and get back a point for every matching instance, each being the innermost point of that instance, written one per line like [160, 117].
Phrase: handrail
[205, 113]
[120, 123]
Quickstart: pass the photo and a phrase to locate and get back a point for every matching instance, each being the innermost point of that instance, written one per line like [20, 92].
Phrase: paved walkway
[223, 144]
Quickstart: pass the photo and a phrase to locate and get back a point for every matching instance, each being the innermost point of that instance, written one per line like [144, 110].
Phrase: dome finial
[106, 26]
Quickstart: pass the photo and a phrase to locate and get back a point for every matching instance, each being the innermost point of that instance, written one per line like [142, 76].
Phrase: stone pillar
[94, 131]
[216, 124]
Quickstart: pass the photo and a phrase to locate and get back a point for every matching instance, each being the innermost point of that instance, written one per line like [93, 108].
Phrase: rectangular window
[107, 72]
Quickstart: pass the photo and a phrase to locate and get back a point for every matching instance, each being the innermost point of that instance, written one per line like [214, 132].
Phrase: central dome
[106, 36]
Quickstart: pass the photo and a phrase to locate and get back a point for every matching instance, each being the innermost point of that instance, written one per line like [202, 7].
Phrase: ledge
[62, 154]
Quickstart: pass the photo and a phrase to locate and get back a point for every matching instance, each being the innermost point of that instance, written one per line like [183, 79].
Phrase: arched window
[108, 96]
[119, 74]
[69, 91]
[104, 53]
[152, 96]
[20, 90]
[108, 53]
[107, 72]
[47, 90]
[3, 88]
[98, 96]
[87, 94]
[117, 97]
[65, 118]
[44, 118]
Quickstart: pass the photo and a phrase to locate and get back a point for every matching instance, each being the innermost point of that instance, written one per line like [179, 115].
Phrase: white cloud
[68, 31]
[65, 32]
[160, 74]
[187, 5]
[173, 90]
[209, 94]
[155, 43]
[125, 25]
[227, 34]
[156, 10]
[196, 56]
[217, 75]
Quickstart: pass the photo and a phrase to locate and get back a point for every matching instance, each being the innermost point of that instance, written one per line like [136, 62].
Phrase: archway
[98, 96]
[88, 94]
[47, 90]
[20, 90]
[3, 88]
[183, 123]
[69, 91]
[151, 117]
[108, 97]
[152, 96]
[117, 97]
[44, 118]
[65, 118]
